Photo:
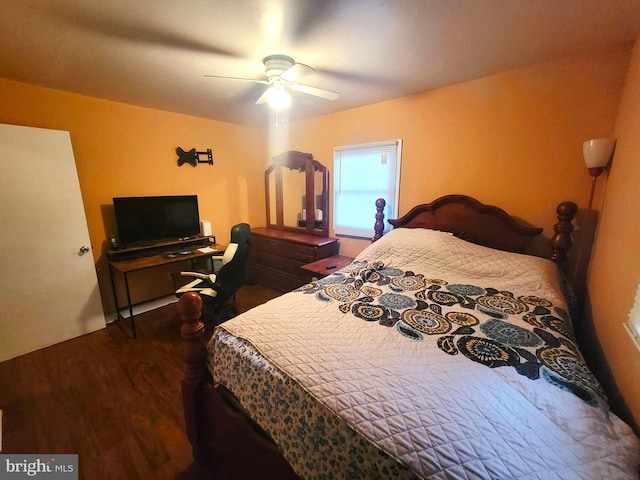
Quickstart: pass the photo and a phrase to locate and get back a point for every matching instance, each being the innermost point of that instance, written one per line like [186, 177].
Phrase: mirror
[271, 194]
[297, 197]
[294, 188]
[321, 192]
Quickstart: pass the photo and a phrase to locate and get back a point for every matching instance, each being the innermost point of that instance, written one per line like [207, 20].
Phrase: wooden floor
[111, 399]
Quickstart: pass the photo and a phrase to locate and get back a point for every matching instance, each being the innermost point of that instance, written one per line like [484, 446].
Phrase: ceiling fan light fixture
[279, 99]
[282, 75]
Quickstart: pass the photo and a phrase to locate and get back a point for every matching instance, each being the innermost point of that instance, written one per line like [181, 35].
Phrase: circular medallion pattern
[396, 301]
[371, 291]
[536, 301]
[487, 352]
[409, 282]
[465, 290]
[391, 272]
[369, 312]
[426, 321]
[443, 298]
[331, 279]
[342, 292]
[503, 304]
[462, 318]
[510, 334]
[568, 365]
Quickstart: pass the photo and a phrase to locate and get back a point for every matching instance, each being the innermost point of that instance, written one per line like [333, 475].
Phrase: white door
[48, 286]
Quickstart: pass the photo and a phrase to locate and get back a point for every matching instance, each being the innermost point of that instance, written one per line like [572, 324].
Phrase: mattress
[427, 357]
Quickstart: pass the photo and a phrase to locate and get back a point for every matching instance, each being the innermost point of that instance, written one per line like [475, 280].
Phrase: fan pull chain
[281, 118]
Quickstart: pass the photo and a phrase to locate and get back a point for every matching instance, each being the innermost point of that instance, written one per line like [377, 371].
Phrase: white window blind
[633, 324]
[362, 174]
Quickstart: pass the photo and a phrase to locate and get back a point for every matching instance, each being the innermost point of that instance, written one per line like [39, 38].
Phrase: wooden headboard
[486, 225]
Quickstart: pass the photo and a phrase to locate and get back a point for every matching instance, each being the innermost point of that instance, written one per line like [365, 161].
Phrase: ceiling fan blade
[264, 98]
[296, 72]
[318, 92]
[131, 30]
[263, 82]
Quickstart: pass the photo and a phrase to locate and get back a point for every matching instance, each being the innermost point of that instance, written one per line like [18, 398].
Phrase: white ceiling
[155, 53]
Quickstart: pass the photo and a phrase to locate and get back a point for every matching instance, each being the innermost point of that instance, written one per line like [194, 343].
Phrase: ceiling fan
[283, 73]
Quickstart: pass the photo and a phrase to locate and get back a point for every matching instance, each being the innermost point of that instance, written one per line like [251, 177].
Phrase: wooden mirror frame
[303, 162]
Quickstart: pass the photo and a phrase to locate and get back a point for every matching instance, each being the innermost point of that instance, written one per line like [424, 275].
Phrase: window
[633, 324]
[362, 174]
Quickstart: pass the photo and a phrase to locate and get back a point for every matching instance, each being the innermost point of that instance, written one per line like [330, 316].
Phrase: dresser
[277, 257]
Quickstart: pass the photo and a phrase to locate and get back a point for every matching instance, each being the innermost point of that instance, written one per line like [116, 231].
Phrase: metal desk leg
[115, 294]
[133, 322]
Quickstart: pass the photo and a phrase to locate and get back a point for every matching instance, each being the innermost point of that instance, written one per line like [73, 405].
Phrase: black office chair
[218, 287]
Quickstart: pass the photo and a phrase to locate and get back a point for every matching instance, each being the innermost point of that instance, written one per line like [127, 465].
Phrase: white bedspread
[384, 347]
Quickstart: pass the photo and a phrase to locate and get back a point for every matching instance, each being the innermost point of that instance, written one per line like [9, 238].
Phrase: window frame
[391, 196]
[632, 325]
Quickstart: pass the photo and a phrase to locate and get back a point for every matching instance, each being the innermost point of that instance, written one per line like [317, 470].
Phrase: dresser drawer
[277, 257]
[275, 279]
[304, 253]
[277, 262]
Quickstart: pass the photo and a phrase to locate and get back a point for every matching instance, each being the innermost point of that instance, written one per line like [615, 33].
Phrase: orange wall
[512, 139]
[124, 150]
[615, 265]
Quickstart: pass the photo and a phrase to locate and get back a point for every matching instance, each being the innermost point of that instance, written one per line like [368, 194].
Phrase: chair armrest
[211, 277]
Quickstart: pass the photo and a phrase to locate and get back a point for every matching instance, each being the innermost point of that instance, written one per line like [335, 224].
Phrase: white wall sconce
[597, 153]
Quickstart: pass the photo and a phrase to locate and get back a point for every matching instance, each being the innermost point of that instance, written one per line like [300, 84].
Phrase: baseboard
[146, 306]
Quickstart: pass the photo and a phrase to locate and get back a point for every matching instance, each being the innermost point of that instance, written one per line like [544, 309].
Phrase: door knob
[84, 249]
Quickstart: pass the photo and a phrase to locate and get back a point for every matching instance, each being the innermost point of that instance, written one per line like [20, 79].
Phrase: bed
[442, 351]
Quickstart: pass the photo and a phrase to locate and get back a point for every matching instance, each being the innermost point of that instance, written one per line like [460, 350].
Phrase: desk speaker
[205, 228]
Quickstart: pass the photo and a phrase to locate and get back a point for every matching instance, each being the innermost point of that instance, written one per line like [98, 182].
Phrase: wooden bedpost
[378, 227]
[561, 241]
[195, 371]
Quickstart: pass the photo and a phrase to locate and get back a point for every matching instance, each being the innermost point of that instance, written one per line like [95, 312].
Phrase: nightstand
[319, 268]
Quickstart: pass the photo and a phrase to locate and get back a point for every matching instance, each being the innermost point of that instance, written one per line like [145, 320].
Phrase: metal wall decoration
[193, 158]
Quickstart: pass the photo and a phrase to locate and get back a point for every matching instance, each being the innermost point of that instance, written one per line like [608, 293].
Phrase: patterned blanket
[489, 326]
[428, 357]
